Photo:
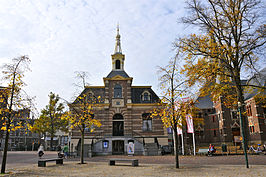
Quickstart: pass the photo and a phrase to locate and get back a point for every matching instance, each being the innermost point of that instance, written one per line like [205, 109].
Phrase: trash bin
[224, 147]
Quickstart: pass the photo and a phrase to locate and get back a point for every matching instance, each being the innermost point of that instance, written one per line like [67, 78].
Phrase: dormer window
[117, 91]
[117, 64]
[145, 96]
[89, 97]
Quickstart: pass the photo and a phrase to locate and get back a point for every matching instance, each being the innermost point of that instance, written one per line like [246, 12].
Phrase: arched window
[89, 97]
[117, 64]
[118, 117]
[117, 91]
[146, 96]
[118, 125]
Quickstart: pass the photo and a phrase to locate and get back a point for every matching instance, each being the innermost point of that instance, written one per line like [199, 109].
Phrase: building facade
[222, 124]
[21, 138]
[124, 114]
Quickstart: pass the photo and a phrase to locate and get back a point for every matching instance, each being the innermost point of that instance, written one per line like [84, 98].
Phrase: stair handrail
[136, 133]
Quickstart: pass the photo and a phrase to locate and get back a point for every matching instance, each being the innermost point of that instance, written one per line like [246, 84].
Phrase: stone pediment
[235, 125]
[118, 77]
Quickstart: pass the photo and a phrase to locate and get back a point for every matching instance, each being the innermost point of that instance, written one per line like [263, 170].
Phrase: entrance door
[118, 128]
[118, 147]
[236, 131]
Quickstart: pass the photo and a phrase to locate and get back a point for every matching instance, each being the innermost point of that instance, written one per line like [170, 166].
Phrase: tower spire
[118, 44]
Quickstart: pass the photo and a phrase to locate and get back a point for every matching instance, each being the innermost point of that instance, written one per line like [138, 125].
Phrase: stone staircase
[151, 149]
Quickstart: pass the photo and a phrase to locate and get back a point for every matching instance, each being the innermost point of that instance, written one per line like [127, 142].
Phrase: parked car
[166, 149]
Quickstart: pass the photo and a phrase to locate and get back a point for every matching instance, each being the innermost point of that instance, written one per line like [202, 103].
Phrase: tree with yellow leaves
[173, 110]
[50, 120]
[81, 117]
[233, 36]
[12, 98]
[39, 127]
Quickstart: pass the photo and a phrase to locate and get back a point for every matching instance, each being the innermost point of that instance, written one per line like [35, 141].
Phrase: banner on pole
[179, 124]
[190, 128]
[169, 130]
[179, 131]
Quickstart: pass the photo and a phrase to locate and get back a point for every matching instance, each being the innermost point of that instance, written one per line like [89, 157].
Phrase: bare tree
[172, 111]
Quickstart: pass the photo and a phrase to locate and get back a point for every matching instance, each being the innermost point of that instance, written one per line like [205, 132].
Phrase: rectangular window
[147, 125]
[251, 129]
[249, 111]
[214, 133]
[213, 118]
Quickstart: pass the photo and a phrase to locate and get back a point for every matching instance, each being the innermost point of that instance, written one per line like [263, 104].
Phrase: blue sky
[62, 37]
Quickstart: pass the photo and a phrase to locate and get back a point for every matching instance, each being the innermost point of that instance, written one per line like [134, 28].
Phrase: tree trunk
[176, 148]
[243, 118]
[3, 168]
[82, 148]
[51, 143]
[40, 139]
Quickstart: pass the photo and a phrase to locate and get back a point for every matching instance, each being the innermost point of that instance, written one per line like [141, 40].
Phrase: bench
[203, 151]
[42, 162]
[135, 162]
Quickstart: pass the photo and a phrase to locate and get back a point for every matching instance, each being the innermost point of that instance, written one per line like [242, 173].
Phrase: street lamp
[243, 133]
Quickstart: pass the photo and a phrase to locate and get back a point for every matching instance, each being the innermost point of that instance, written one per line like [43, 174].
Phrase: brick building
[221, 124]
[22, 138]
[125, 115]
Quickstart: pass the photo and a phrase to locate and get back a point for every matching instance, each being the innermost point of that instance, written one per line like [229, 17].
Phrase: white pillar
[182, 139]
[194, 146]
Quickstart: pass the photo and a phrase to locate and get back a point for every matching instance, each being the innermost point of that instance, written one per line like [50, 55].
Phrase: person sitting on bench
[40, 151]
[211, 150]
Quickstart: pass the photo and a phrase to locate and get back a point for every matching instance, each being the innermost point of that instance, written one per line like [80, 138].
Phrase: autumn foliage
[12, 99]
[81, 116]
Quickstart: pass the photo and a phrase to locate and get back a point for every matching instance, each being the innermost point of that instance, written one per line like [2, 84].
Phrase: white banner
[190, 128]
[179, 127]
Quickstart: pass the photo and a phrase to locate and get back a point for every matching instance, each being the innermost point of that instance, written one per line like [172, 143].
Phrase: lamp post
[243, 134]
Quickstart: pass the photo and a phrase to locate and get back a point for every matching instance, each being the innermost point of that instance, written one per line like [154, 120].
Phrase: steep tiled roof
[204, 102]
[258, 79]
[114, 73]
[96, 91]
[136, 95]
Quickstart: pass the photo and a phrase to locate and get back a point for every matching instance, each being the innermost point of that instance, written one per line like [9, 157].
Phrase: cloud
[62, 37]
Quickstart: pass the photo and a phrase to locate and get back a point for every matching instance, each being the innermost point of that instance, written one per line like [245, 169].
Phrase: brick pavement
[233, 165]
[102, 169]
[169, 159]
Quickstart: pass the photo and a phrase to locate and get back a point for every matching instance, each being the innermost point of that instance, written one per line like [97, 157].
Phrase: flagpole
[182, 139]
[194, 146]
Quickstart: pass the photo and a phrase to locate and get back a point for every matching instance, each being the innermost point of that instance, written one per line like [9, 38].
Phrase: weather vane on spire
[118, 44]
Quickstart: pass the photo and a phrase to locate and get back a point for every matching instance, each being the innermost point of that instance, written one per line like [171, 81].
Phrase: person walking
[264, 149]
[65, 150]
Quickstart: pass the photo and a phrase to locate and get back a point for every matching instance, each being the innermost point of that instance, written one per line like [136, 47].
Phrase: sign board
[130, 148]
[105, 144]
